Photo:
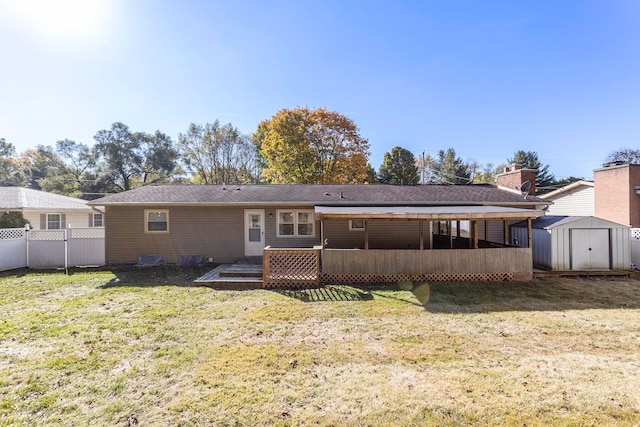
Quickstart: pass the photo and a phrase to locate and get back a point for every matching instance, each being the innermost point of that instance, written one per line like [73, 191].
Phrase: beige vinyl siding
[395, 234]
[492, 231]
[339, 237]
[580, 202]
[213, 232]
[216, 233]
[383, 234]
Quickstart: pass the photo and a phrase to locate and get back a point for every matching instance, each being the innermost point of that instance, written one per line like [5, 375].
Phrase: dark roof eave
[325, 203]
[437, 216]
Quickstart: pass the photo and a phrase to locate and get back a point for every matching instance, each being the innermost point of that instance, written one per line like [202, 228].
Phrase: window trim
[352, 228]
[59, 221]
[295, 234]
[93, 219]
[146, 221]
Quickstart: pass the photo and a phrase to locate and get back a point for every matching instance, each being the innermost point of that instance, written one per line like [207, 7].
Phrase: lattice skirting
[289, 283]
[363, 279]
[326, 279]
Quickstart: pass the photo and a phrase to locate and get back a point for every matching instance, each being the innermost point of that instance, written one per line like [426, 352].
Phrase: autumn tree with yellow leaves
[305, 146]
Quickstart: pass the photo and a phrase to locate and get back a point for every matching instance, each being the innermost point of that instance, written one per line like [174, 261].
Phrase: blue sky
[487, 78]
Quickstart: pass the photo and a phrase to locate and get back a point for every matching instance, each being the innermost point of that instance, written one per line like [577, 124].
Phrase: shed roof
[554, 221]
[449, 213]
[317, 194]
[27, 199]
[567, 188]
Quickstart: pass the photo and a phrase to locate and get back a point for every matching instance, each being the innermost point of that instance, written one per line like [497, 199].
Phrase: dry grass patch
[110, 347]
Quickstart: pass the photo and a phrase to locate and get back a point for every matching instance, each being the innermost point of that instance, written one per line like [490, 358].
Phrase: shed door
[590, 249]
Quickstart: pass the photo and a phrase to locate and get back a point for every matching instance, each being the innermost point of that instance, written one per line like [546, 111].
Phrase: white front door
[253, 232]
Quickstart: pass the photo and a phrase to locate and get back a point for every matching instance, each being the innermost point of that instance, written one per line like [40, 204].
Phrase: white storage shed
[576, 243]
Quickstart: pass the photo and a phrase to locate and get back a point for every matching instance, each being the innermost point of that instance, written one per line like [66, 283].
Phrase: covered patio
[391, 243]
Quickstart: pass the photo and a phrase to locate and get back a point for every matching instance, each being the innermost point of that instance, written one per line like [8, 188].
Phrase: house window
[294, 223]
[97, 220]
[356, 225]
[54, 221]
[156, 221]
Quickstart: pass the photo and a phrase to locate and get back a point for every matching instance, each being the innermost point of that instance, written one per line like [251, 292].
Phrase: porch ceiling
[433, 213]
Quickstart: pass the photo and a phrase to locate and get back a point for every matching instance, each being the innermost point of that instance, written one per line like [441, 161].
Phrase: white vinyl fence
[21, 247]
[635, 248]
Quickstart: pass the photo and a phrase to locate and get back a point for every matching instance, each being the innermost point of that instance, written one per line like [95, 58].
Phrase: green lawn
[145, 347]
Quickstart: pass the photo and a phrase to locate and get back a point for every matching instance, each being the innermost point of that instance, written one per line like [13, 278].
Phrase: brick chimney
[617, 193]
[513, 177]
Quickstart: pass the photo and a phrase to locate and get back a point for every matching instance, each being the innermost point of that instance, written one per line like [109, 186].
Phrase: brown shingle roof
[317, 194]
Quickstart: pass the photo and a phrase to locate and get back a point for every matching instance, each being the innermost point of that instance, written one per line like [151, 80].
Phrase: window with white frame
[156, 221]
[296, 223]
[54, 221]
[356, 225]
[97, 220]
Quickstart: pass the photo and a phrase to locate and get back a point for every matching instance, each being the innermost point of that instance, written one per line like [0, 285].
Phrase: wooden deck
[233, 276]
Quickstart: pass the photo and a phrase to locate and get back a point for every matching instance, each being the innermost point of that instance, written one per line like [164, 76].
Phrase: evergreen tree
[12, 220]
[449, 169]
[399, 167]
[529, 160]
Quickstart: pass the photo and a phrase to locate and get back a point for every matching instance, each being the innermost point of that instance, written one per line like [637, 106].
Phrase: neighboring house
[617, 199]
[617, 193]
[354, 232]
[48, 211]
[577, 199]
[613, 195]
[577, 243]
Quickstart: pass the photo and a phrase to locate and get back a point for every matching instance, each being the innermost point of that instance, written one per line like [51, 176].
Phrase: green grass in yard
[104, 347]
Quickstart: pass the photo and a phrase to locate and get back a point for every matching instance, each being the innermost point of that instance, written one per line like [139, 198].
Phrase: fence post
[67, 232]
[26, 237]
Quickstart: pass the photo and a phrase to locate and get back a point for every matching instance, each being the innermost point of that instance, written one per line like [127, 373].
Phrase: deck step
[241, 271]
[228, 277]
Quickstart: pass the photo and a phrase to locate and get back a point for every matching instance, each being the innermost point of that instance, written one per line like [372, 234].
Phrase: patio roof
[434, 213]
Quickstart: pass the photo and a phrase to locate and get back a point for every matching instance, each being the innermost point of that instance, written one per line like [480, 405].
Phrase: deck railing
[283, 267]
[379, 265]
